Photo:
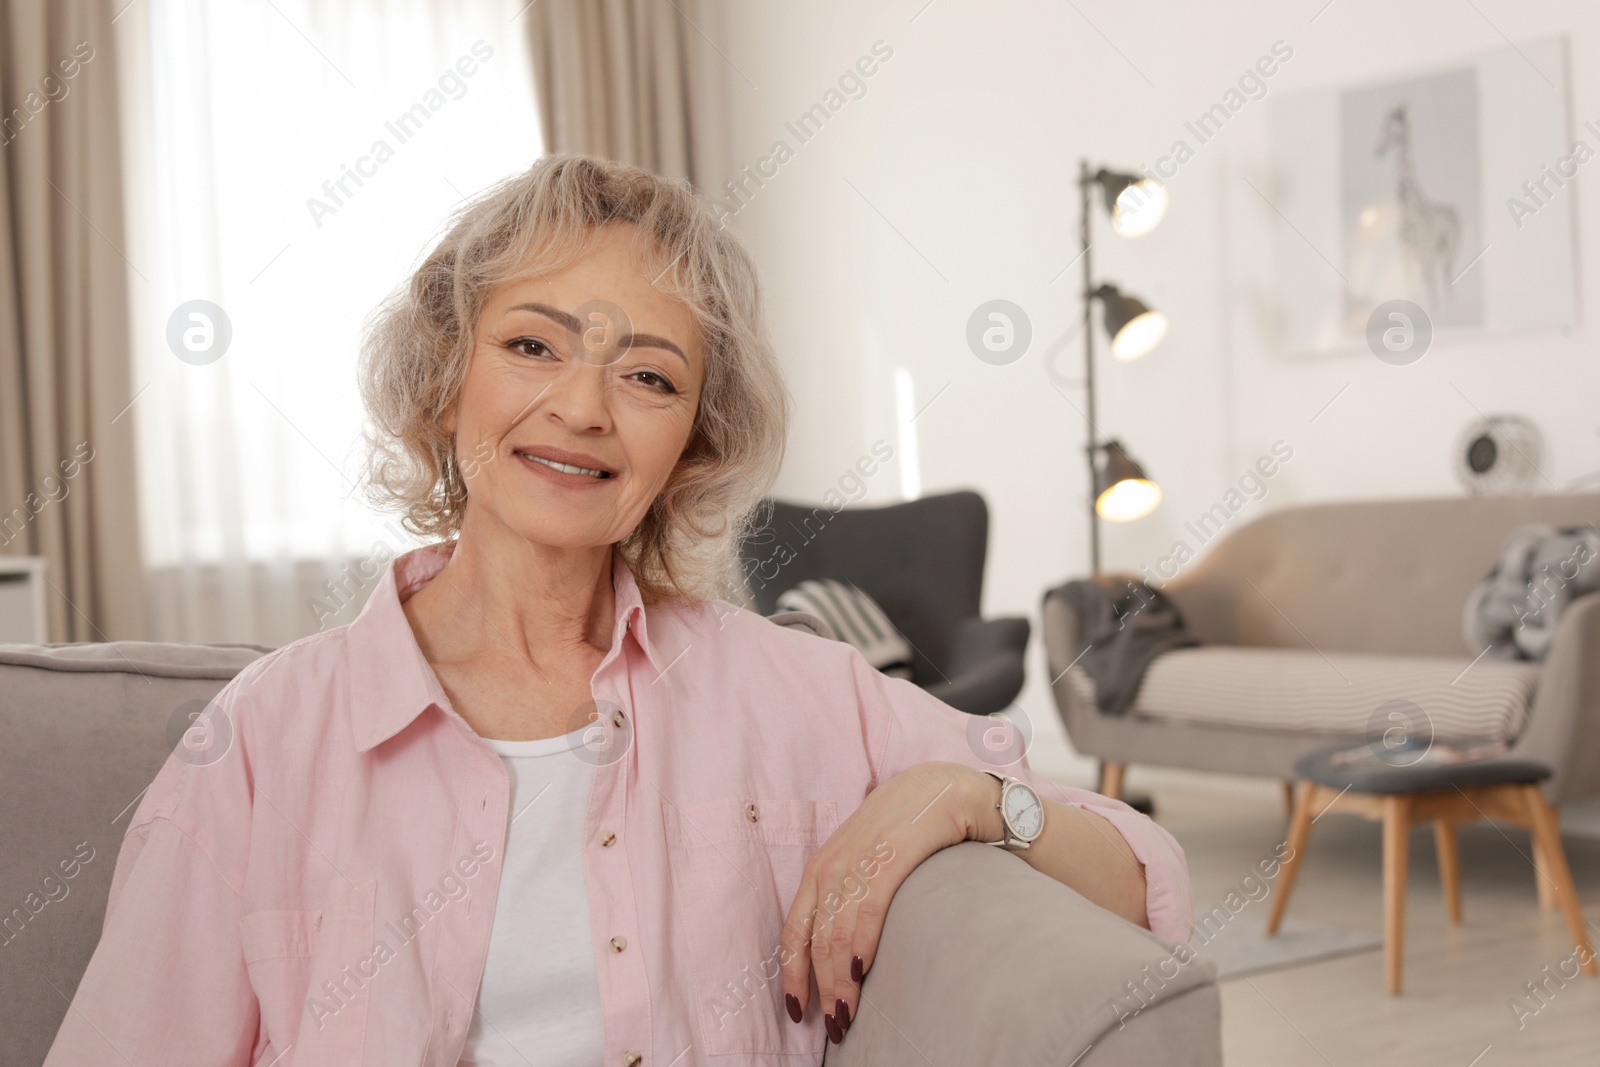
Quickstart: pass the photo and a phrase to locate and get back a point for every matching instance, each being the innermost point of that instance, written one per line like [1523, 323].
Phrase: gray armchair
[983, 959]
[922, 561]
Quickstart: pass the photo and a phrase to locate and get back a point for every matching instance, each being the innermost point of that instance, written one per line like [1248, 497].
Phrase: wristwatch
[1021, 811]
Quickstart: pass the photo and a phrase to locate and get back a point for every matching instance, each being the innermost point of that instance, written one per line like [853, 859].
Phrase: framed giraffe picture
[1448, 189]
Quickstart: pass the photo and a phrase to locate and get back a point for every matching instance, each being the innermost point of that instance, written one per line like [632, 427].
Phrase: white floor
[1459, 981]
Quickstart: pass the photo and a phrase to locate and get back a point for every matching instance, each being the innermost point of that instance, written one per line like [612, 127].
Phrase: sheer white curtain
[291, 160]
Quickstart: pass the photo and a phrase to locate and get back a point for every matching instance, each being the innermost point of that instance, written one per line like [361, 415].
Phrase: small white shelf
[22, 601]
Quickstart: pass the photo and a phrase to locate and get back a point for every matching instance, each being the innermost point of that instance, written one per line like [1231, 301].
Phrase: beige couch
[983, 959]
[1352, 584]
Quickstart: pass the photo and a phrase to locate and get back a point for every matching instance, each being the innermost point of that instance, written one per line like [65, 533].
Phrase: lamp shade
[1123, 492]
[1135, 328]
[1137, 205]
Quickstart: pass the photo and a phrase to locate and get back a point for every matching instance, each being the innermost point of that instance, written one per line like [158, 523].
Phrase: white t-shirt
[539, 1002]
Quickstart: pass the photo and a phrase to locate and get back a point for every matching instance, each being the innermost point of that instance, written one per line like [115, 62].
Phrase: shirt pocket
[736, 865]
[293, 955]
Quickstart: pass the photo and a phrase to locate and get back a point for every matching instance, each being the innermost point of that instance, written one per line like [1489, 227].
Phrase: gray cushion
[1304, 691]
[1409, 769]
[83, 729]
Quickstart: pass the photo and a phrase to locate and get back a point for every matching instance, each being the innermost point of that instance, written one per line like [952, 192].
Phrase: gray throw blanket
[1513, 612]
[1125, 625]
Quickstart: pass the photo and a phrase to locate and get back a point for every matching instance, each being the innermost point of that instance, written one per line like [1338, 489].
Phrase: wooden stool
[1403, 796]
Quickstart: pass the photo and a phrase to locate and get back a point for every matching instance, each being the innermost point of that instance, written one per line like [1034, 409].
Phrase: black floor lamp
[1121, 492]
[1120, 489]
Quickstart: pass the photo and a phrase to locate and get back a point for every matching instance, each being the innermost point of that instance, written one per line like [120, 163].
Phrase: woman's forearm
[1077, 848]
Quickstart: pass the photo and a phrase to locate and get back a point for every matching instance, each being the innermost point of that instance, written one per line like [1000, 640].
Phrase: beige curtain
[66, 466]
[638, 81]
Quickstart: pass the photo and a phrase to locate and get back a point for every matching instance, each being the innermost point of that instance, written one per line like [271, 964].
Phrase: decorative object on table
[1120, 489]
[1498, 455]
[1126, 625]
[1403, 792]
[856, 619]
[1513, 613]
[922, 561]
[1404, 186]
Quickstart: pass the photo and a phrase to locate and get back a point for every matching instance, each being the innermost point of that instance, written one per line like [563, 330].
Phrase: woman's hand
[837, 916]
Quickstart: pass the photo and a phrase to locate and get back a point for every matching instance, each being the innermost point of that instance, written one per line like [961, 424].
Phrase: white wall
[951, 182]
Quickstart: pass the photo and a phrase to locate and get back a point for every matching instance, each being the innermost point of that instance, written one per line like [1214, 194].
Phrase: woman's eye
[654, 380]
[530, 347]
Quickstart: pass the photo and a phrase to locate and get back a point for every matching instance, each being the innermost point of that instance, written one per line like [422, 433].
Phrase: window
[290, 163]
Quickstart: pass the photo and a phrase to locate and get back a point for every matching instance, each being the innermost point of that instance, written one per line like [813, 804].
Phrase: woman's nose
[580, 397]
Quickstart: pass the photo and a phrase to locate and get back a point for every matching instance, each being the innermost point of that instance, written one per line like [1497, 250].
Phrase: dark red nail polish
[835, 1034]
[792, 1002]
[842, 1010]
[856, 970]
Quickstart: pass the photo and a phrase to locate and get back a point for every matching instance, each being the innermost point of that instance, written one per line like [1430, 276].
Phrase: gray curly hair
[417, 344]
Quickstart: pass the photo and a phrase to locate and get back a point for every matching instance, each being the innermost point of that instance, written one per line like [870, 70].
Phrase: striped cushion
[855, 617]
[1341, 692]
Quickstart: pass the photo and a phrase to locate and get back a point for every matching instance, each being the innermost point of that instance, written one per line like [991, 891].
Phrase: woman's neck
[502, 592]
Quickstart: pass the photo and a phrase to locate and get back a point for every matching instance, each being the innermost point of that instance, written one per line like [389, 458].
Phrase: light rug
[1243, 948]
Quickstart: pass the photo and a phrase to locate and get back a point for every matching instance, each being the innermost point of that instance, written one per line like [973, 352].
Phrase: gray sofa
[983, 960]
[1385, 577]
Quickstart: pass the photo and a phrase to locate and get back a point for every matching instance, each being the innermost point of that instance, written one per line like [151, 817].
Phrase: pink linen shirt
[318, 887]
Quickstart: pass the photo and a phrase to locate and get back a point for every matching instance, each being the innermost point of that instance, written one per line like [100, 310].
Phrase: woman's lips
[567, 474]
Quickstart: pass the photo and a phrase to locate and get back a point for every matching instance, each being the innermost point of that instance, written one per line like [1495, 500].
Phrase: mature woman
[549, 800]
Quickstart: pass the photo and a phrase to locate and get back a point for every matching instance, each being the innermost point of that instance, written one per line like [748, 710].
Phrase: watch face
[1023, 811]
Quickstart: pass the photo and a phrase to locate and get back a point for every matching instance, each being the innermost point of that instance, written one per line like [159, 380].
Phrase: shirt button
[617, 718]
[607, 838]
[752, 814]
[618, 943]
[631, 1058]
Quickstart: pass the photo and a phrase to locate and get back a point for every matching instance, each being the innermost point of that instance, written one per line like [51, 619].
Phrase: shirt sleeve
[904, 726]
[167, 982]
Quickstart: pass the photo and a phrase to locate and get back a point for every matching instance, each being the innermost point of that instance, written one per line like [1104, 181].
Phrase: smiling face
[579, 398]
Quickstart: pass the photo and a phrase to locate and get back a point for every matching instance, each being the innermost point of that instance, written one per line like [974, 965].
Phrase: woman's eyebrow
[650, 340]
[571, 323]
[563, 318]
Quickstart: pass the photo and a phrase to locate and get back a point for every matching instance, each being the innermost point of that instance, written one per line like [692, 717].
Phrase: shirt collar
[391, 682]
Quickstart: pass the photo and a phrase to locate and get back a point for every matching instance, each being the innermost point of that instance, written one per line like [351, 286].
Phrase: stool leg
[1547, 832]
[1444, 837]
[1299, 834]
[1111, 776]
[1396, 828]
[1541, 877]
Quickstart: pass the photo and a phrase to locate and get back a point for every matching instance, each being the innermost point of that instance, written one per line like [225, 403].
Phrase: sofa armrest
[978, 639]
[985, 960]
[985, 688]
[986, 665]
[1564, 728]
[1062, 632]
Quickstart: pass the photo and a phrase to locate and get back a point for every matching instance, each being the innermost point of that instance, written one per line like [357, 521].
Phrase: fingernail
[835, 1034]
[842, 1010]
[856, 970]
[792, 1002]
